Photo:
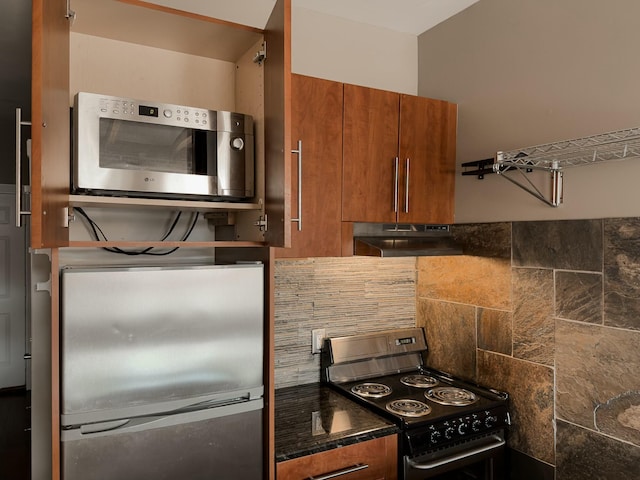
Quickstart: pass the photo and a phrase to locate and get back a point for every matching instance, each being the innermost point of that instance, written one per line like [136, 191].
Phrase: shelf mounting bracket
[557, 180]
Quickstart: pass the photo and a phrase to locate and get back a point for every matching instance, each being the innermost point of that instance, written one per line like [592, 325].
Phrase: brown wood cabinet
[51, 202]
[49, 124]
[370, 152]
[316, 180]
[50, 186]
[427, 160]
[370, 460]
[399, 157]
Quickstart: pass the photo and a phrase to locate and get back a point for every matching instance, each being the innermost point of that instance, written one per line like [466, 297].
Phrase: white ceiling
[406, 16]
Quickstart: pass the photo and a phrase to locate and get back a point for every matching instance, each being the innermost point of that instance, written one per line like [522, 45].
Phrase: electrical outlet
[316, 424]
[317, 338]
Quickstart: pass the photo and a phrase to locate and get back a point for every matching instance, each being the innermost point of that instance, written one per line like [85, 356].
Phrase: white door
[13, 302]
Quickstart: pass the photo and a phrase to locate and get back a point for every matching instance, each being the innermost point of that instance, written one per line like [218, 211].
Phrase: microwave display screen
[128, 145]
[147, 111]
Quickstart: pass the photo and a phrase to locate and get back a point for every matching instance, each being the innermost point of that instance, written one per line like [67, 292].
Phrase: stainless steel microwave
[139, 148]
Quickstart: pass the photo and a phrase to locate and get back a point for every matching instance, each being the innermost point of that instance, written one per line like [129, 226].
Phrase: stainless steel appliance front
[162, 372]
[131, 147]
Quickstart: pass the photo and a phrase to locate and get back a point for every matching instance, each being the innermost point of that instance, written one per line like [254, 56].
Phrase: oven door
[480, 458]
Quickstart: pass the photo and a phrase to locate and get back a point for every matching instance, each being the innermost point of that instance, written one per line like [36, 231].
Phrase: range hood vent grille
[403, 240]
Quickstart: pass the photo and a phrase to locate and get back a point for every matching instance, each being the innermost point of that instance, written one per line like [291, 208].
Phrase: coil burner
[408, 408]
[371, 390]
[455, 396]
[419, 381]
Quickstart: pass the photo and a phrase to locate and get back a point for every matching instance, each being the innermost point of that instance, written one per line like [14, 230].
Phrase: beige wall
[112, 67]
[528, 72]
[345, 51]
[322, 46]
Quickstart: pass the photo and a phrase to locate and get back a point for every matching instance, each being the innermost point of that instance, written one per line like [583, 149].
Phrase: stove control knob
[435, 437]
[490, 421]
[448, 433]
[462, 429]
[476, 425]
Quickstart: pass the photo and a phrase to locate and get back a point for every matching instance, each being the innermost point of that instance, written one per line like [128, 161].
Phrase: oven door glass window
[128, 145]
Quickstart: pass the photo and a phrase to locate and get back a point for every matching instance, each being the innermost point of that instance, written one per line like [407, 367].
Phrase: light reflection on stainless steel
[173, 334]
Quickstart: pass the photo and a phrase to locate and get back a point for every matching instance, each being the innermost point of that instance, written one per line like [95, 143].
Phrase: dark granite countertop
[314, 418]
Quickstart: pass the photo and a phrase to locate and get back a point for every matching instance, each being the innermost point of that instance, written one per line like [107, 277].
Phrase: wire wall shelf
[556, 157]
[618, 145]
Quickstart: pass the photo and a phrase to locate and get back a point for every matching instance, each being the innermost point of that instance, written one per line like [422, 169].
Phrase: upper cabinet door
[427, 158]
[277, 113]
[399, 157]
[317, 139]
[370, 155]
[50, 124]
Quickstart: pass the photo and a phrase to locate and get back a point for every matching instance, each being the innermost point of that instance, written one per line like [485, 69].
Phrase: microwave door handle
[19, 125]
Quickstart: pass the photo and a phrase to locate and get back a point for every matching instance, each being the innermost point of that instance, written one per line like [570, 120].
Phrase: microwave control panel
[148, 112]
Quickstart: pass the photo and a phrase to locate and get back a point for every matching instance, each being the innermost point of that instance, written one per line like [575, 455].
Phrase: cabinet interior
[158, 54]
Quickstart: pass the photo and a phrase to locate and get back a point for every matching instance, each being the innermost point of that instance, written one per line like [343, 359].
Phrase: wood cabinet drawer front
[379, 455]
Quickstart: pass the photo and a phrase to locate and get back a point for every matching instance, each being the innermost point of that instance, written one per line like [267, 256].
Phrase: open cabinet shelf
[128, 202]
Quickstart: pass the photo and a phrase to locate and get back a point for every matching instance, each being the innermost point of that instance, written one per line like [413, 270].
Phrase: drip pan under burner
[371, 390]
[419, 381]
[454, 396]
[408, 408]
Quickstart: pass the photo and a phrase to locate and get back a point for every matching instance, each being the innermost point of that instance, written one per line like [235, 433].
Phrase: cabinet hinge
[262, 223]
[70, 15]
[67, 217]
[261, 55]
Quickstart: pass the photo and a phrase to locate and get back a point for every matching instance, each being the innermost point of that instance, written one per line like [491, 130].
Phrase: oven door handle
[497, 443]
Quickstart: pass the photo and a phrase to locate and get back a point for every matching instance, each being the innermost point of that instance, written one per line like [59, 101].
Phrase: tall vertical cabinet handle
[298, 151]
[406, 187]
[395, 184]
[19, 211]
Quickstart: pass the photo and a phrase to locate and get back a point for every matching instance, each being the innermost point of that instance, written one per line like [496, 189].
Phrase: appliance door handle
[497, 443]
[19, 211]
[103, 426]
[406, 187]
[298, 151]
[395, 184]
[341, 472]
[141, 424]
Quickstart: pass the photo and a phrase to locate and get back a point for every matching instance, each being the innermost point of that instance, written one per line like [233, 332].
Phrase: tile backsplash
[562, 337]
[547, 311]
[344, 296]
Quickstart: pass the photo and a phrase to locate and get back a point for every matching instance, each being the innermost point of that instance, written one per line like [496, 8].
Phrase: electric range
[449, 427]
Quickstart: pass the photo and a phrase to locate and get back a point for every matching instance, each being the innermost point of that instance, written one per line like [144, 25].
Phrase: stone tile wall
[345, 296]
[550, 312]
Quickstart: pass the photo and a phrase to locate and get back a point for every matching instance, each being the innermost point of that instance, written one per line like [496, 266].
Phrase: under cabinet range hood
[403, 240]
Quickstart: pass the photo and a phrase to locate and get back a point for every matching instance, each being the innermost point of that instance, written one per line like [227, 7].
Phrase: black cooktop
[481, 399]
